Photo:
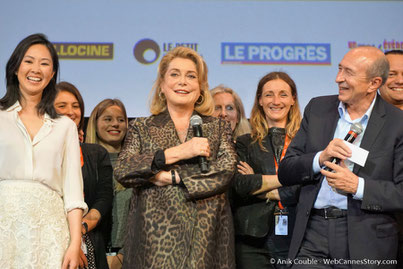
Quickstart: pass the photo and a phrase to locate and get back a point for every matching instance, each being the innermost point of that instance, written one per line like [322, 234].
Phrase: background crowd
[197, 184]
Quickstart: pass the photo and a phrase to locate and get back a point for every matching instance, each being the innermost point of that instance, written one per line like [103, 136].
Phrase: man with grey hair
[345, 211]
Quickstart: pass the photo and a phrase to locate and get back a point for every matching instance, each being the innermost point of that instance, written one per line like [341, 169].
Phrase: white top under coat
[51, 158]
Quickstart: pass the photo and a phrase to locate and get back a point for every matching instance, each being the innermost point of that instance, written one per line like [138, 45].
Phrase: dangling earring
[200, 100]
[161, 96]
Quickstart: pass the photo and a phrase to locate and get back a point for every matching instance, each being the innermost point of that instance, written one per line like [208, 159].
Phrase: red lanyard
[81, 157]
[286, 144]
[82, 162]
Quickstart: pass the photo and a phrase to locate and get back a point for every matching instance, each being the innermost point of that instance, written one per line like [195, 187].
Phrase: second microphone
[196, 122]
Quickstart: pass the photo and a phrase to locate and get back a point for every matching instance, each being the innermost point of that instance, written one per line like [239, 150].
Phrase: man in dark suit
[345, 216]
[392, 92]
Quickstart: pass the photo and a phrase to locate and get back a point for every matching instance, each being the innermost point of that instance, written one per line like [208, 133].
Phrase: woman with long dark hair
[41, 189]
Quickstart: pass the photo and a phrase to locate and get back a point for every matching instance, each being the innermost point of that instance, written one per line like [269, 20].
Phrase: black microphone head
[356, 128]
[196, 120]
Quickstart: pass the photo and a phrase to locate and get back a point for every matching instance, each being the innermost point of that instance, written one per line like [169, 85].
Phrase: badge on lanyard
[281, 225]
[281, 220]
[280, 213]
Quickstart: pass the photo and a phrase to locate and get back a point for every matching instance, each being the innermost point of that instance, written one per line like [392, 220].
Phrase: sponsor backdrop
[111, 49]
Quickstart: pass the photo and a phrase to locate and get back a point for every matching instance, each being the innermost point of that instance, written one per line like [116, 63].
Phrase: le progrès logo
[275, 53]
[147, 51]
[84, 51]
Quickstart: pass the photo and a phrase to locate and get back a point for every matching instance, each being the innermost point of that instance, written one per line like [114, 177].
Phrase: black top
[254, 216]
[98, 194]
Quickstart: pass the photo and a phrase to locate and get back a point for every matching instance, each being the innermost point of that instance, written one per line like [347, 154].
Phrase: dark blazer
[253, 216]
[98, 193]
[372, 228]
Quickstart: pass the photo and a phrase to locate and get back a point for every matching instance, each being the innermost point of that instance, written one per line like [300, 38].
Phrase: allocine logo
[87, 51]
[147, 51]
[275, 53]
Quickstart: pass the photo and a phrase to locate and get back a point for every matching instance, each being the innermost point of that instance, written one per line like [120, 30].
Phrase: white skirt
[33, 226]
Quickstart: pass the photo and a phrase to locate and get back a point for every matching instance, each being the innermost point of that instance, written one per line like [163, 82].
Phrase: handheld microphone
[355, 130]
[196, 122]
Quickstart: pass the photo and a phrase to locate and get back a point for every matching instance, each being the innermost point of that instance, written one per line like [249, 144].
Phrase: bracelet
[85, 225]
[268, 199]
[173, 177]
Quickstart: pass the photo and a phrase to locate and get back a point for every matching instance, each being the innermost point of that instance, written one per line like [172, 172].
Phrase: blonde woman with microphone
[180, 215]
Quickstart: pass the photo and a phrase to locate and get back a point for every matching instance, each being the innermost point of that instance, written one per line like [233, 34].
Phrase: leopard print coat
[177, 227]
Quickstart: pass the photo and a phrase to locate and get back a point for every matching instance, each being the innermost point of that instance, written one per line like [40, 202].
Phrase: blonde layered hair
[242, 126]
[260, 127]
[91, 133]
[204, 104]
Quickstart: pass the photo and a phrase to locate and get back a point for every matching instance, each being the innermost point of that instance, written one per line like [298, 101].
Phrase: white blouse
[51, 158]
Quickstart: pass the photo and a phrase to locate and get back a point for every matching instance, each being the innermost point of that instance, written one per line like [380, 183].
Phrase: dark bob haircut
[13, 93]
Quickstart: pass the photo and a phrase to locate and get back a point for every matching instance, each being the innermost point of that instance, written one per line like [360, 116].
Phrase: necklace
[182, 134]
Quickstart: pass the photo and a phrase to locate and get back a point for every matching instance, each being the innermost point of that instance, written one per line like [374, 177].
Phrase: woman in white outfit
[41, 189]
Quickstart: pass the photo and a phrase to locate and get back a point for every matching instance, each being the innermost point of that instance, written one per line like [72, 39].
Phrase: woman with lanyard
[264, 212]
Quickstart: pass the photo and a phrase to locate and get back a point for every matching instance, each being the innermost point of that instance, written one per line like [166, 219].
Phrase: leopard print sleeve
[222, 162]
[133, 167]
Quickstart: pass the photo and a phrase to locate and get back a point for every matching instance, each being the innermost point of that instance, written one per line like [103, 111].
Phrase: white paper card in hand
[359, 155]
